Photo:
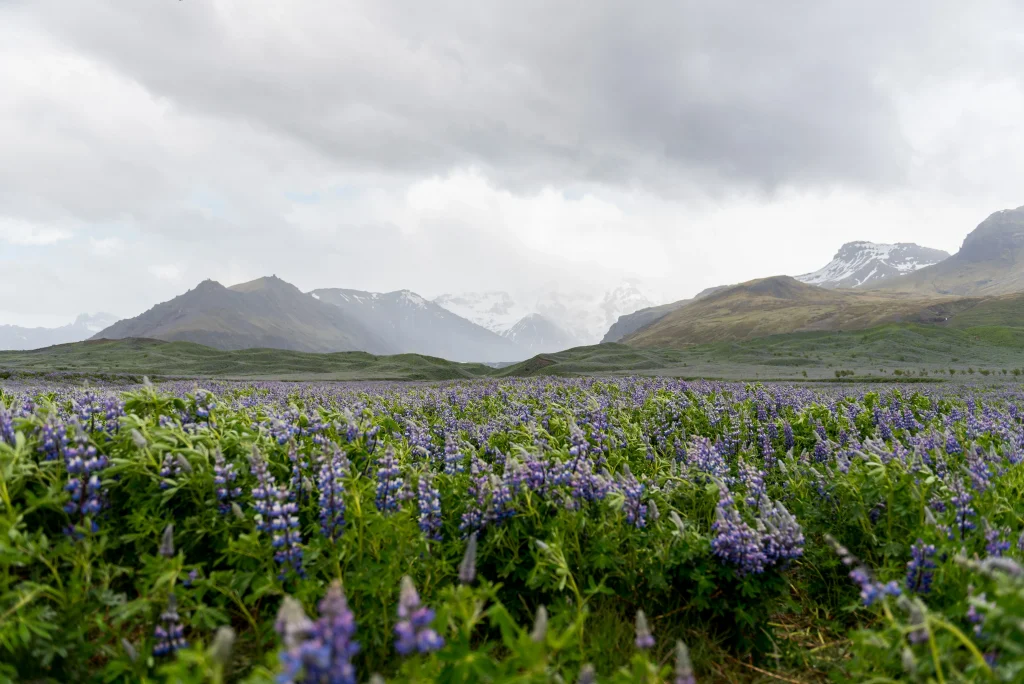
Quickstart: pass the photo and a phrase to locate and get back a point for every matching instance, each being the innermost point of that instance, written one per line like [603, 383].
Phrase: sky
[449, 146]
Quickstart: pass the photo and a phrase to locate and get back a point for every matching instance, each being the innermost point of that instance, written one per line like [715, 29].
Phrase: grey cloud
[719, 93]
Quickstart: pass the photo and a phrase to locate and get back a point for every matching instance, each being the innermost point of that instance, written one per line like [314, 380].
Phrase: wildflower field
[626, 530]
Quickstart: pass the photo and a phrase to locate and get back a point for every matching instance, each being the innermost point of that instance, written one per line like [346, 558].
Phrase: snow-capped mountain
[858, 263]
[497, 311]
[538, 334]
[412, 324]
[584, 314]
[84, 327]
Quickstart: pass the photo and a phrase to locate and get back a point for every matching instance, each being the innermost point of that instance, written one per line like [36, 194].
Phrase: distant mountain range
[858, 264]
[866, 284]
[13, 337]
[267, 312]
[412, 324]
[581, 317]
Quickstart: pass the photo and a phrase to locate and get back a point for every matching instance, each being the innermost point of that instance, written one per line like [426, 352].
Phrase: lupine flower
[6, 425]
[995, 540]
[540, 625]
[871, 590]
[684, 668]
[277, 514]
[588, 675]
[84, 486]
[413, 629]
[467, 568]
[223, 643]
[735, 541]
[169, 633]
[632, 491]
[224, 477]
[320, 651]
[428, 500]
[644, 638]
[53, 439]
[390, 484]
[705, 458]
[920, 568]
[167, 542]
[454, 461]
[334, 468]
[170, 469]
[782, 538]
[961, 502]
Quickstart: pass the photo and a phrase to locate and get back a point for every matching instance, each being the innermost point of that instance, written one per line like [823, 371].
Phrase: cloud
[22, 233]
[165, 271]
[446, 146]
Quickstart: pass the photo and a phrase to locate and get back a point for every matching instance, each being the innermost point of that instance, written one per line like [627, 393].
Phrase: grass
[921, 352]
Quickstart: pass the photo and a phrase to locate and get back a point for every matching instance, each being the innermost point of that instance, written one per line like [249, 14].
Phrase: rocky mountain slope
[13, 337]
[778, 305]
[411, 324]
[267, 312]
[630, 323]
[990, 262]
[857, 264]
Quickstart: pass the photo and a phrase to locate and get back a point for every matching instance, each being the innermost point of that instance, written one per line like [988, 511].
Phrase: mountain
[497, 311]
[537, 334]
[630, 323]
[990, 262]
[780, 305]
[84, 327]
[584, 314]
[412, 324]
[858, 263]
[267, 312]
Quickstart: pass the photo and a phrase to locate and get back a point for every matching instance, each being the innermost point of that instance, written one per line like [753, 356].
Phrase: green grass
[156, 358]
[872, 355]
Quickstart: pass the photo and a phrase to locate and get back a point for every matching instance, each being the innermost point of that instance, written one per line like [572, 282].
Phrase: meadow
[626, 529]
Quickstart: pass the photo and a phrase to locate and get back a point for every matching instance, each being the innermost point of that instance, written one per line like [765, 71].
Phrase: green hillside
[154, 357]
[870, 354]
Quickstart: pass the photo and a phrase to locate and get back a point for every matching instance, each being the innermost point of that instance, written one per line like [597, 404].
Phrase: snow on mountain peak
[859, 263]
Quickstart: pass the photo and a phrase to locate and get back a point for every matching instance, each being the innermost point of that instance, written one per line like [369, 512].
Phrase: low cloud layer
[446, 146]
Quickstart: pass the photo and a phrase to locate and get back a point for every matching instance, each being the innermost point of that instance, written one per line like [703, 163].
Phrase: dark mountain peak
[266, 283]
[1000, 236]
[208, 285]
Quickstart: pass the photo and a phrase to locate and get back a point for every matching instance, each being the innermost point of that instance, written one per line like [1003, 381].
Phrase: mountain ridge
[860, 263]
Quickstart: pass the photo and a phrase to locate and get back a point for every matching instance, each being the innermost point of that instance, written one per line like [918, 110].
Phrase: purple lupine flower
[390, 484]
[995, 540]
[428, 500]
[478, 496]
[705, 458]
[683, 668]
[53, 439]
[224, 476]
[454, 460]
[871, 590]
[320, 651]
[169, 633]
[753, 478]
[633, 491]
[334, 468]
[6, 425]
[277, 515]
[782, 538]
[170, 468]
[413, 629]
[787, 435]
[84, 487]
[961, 502]
[644, 638]
[920, 568]
[735, 541]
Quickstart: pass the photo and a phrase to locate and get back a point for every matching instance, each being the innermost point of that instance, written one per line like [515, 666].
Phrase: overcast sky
[454, 146]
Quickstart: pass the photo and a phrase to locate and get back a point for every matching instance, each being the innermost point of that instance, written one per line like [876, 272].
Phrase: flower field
[627, 530]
